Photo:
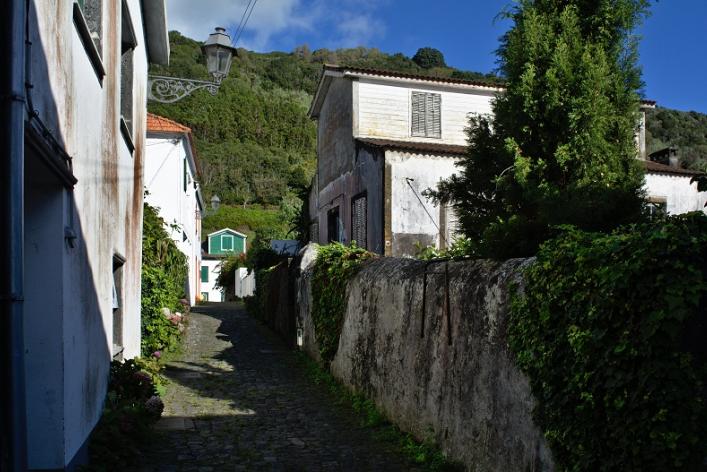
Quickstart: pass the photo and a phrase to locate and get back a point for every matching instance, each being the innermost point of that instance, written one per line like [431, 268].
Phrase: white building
[669, 188]
[210, 270]
[218, 246]
[385, 137]
[74, 194]
[382, 139]
[171, 183]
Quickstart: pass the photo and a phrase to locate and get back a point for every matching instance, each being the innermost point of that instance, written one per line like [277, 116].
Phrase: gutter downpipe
[13, 438]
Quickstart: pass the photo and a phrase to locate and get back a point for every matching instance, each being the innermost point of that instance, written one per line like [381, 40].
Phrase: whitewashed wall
[384, 109]
[415, 220]
[681, 196]
[164, 182]
[215, 294]
[67, 368]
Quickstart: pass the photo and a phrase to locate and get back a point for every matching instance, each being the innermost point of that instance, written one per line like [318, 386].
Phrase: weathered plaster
[433, 357]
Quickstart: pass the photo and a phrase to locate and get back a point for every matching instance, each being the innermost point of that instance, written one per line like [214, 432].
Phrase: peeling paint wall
[427, 343]
[416, 219]
[104, 210]
[678, 193]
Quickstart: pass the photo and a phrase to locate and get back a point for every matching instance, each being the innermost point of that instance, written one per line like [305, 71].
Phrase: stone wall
[427, 343]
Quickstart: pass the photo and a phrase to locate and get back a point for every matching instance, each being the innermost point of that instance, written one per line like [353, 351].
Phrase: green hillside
[685, 130]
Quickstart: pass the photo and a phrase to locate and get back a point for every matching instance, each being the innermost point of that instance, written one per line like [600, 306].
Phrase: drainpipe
[13, 441]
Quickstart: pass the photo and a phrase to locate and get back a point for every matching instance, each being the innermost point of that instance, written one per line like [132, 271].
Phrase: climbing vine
[164, 272]
[333, 268]
[611, 332]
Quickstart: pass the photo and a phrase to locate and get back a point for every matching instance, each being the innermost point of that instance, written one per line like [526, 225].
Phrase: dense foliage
[611, 332]
[428, 58]
[253, 220]
[560, 147]
[132, 406]
[333, 268]
[685, 130]
[164, 274]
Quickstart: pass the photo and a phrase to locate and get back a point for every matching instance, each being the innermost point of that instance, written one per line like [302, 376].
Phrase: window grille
[426, 117]
[358, 220]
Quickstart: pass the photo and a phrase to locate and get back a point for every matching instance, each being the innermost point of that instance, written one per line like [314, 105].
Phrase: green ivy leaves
[609, 330]
[333, 268]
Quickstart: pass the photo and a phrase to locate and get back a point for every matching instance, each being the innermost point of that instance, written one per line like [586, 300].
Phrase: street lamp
[218, 52]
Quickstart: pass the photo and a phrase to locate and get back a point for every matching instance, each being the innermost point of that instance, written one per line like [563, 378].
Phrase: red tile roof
[656, 167]
[160, 124]
[413, 146]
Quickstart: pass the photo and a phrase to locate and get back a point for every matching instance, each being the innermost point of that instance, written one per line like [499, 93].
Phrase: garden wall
[426, 341]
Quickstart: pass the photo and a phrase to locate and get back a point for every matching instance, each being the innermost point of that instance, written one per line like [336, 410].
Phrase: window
[227, 242]
[334, 229]
[656, 207]
[184, 180]
[426, 116]
[204, 296]
[204, 274]
[358, 220]
[88, 21]
[118, 262]
[128, 44]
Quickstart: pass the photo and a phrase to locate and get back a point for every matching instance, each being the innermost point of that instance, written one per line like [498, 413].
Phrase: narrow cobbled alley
[239, 400]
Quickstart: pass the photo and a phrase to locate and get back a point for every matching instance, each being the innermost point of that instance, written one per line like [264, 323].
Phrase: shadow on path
[239, 400]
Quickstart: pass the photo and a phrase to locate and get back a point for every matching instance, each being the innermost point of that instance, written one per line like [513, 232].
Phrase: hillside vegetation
[257, 145]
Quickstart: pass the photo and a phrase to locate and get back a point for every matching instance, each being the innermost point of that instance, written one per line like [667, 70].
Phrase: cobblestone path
[238, 400]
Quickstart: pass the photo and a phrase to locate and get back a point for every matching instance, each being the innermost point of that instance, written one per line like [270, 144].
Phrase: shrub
[164, 273]
[611, 332]
[334, 266]
[132, 406]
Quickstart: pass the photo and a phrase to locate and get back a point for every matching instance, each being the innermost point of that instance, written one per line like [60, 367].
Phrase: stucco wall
[335, 146]
[437, 371]
[681, 196]
[383, 109]
[414, 218]
[164, 182]
[366, 175]
[67, 378]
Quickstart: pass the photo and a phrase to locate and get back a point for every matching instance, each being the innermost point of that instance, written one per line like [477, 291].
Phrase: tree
[428, 58]
[560, 147]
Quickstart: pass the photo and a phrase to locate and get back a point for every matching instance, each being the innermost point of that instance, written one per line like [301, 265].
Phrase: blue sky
[673, 47]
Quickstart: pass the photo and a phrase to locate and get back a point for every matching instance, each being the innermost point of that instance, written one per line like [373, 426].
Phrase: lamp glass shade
[219, 53]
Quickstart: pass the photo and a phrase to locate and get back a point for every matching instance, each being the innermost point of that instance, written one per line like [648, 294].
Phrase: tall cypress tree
[560, 147]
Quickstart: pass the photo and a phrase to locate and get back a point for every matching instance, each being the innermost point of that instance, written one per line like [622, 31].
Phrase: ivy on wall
[164, 273]
[334, 267]
[611, 331]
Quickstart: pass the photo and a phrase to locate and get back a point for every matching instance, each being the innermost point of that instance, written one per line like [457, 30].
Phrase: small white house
[385, 137]
[669, 188]
[219, 245]
[171, 184]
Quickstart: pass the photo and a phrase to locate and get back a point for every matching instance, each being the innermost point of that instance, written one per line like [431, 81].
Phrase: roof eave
[154, 17]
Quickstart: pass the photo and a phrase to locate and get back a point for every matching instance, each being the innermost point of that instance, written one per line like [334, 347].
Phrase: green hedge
[611, 331]
[333, 268]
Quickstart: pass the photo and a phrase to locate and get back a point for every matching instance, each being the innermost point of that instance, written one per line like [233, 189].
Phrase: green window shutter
[204, 273]
[227, 242]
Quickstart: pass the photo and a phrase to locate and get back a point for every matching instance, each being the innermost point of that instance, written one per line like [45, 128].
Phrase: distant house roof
[331, 70]
[160, 124]
[658, 168]
[414, 146]
[227, 229]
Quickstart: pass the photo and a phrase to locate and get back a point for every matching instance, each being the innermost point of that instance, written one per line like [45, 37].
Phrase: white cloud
[340, 23]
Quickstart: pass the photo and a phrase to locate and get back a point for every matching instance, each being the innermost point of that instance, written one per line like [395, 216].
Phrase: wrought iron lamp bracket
[172, 89]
